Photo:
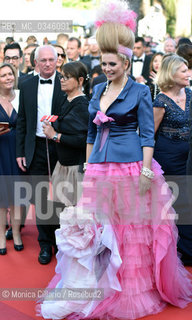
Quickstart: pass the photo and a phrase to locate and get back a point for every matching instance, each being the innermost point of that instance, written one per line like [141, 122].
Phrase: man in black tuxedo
[40, 95]
[140, 61]
[94, 56]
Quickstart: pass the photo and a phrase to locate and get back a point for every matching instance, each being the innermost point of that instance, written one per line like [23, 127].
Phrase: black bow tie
[96, 58]
[46, 81]
[138, 60]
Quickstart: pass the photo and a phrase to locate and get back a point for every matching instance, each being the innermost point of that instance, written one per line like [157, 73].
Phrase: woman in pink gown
[117, 255]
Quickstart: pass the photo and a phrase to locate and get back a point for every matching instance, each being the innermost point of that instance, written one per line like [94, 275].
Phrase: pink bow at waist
[101, 119]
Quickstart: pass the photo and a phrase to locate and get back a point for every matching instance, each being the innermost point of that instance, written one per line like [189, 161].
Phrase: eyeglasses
[14, 58]
[62, 55]
[65, 78]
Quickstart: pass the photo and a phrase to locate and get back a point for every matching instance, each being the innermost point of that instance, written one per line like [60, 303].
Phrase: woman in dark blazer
[70, 133]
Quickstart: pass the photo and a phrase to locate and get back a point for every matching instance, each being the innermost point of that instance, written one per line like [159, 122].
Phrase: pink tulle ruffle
[144, 272]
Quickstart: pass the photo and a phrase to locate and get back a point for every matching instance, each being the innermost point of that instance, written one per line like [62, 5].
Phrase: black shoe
[45, 256]
[9, 234]
[18, 247]
[3, 251]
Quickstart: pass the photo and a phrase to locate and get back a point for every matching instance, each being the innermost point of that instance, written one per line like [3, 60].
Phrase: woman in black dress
[70, 133]
[153, 69]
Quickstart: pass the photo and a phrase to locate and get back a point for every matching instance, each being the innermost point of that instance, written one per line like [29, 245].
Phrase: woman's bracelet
[85, 166]
[147, 172]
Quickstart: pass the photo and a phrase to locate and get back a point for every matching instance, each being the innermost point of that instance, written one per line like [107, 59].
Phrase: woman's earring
[106, 88]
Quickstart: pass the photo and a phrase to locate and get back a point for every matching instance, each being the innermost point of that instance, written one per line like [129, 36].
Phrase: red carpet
[22, 270]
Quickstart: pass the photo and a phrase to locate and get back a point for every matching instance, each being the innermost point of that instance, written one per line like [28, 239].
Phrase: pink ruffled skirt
[120, 248]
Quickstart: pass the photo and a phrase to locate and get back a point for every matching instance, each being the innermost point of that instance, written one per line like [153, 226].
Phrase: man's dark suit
[24, 77]
[20, 78]
[87, 62]
[145, 70]
[27, 116]
[34, 148]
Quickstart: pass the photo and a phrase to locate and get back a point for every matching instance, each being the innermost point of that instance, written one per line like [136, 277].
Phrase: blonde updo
[109, 35]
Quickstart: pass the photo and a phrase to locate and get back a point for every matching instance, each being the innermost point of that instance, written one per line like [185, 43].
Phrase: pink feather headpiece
[116, 11]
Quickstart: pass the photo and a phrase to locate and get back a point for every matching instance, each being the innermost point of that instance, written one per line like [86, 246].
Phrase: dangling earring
[106, 88]
[124, 81]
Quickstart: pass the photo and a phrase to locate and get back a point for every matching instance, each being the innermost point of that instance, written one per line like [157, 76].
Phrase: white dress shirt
[137, 66]
[44, 102]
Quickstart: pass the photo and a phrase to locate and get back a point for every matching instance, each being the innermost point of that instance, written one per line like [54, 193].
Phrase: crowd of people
[120, 127]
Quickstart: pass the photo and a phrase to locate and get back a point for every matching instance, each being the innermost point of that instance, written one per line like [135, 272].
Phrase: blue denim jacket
[132, 110]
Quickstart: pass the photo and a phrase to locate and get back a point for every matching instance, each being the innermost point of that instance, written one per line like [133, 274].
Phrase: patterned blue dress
[171, 151]
[172, 147]
[8, 165]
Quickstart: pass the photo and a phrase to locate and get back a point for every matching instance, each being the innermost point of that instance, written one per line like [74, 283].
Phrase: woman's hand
[21, 161]
[152, 75]
[4, 130]
[48, 130]
[144, 184]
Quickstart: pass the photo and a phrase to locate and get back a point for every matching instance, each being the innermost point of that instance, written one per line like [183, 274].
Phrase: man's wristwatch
[55, 137]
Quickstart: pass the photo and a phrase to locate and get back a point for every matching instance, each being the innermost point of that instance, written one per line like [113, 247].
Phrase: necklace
[122, 86]
[179, 100]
